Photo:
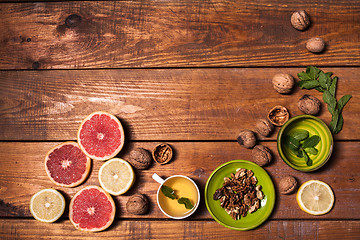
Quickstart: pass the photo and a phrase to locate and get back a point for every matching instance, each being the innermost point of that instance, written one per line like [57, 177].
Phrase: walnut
[309, 104]
[246, 139]
[300, 20]
[283, 83]
[137, 204]
[264, 127]
[315, 45]
[162, 153]
[140, 158]
[287, 184]
[278, 115]
[261, 155]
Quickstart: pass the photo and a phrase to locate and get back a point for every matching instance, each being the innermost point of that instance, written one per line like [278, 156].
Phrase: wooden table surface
[189, 73]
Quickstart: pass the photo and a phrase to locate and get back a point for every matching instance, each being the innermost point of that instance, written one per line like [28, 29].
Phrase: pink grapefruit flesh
[92, 209]
[101, 136]
[67, 165]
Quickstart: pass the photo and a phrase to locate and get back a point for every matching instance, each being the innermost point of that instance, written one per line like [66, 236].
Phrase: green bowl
[314, 126]
[252, 220]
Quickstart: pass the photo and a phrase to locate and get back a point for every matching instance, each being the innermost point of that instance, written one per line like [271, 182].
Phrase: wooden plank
[157, 104]
[22, 174]
[31, 229]
[127, 34]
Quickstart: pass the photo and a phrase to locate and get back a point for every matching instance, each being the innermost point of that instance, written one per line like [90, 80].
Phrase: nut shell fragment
[287, 184]
[278, 115]
[162, 153]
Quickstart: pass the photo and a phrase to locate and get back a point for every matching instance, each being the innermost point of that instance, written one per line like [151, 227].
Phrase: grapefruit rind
[128, 184]
[61, 208]
[112, 214]
[84, 176]
[122, 138]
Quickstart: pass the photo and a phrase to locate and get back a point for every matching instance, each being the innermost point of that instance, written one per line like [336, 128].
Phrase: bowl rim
[282, 155]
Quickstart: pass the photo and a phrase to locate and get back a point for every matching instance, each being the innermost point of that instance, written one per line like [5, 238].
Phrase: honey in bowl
[183, 187]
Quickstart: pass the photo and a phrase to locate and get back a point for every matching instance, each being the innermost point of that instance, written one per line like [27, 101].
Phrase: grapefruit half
[67, 165]
[101, 136]
[92, 209]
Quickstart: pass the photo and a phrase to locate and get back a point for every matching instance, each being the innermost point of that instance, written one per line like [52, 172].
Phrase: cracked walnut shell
[162, 153]
[278, 115]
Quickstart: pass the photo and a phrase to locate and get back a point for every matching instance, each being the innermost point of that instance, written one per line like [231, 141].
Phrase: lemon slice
[47, 205]
[315, 197]
[116, 176]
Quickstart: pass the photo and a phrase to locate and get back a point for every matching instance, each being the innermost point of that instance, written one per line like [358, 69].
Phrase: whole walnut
[309, 104]
[300, 20]
[283, 83]
[140, 158]
[137, 204]
[315, 45]
[287, 185]
[246, 138]
[261, 155]
[264, 127]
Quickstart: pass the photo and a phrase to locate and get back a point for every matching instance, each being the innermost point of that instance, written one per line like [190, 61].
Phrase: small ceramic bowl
[314, 126]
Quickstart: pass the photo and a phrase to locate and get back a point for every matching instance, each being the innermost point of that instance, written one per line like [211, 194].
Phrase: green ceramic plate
[252, 220]
[315, 127]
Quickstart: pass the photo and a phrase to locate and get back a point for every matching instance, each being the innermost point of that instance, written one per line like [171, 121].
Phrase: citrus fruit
[66, 165]
[92, 209]
[101, 136]
[116, 176]
[47, 205]
[315, 197]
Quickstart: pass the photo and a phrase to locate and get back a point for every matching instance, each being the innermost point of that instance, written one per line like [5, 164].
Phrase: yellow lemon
[116, 176]
[315, 197]
[47, 205]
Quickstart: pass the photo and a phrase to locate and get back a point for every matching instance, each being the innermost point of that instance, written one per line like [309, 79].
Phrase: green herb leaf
[332, 88]
[330, 100]
[168, 192]
[300, 154]
[313, 72]
[311, 141]
[311, 150]
[339, 124]
[334, 120]
[292, 143]
[186, 202]
[304, 76]
[308, 161]
[323, 80]
[308, 84]
[343, 101]
[300, 134]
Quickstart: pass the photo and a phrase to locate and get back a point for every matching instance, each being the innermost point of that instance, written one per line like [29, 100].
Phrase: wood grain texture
[22, 174]
[128, 34]
[31, 229]
[157, 104]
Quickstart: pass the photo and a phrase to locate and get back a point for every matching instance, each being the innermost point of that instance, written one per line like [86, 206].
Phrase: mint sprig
[314, 78]
[170, 193]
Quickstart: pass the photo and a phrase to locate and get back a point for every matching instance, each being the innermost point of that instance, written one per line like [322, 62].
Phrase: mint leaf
[308, 84]
[334, 120]
[291, 143]
[343, 101]
[311, 141]
[323, 80]
[186, 202]
[304, 76]
[313, 72]
[339, 124]
[168, 192]
[311, 150]
[308, 161]
[300, 153]
[300, 134]
[333, 86]
[330, 101]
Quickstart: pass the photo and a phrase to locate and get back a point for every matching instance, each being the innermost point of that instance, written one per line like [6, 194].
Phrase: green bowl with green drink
[305, 143]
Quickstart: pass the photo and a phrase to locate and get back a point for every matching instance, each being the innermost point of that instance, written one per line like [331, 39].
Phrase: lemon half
[315, 197]
[116, 176]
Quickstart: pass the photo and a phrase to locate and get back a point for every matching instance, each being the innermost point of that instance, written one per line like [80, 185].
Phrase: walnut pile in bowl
[240, 194]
